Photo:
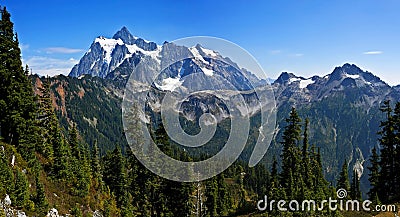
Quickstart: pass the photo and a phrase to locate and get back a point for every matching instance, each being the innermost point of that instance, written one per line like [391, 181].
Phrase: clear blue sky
[307, 37]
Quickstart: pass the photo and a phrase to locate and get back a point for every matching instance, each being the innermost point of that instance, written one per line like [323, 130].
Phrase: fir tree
[41, 203]
[387, 163]
[47, 120]
[17, 108]
[374, 176]
[343, 181]
[305, 160]
[115, 176]
[95, 165]
[6, 178]
[396, 169]
[62, 155]
[212, 197]
[274, 172]
[21, 192]
[291, 154]
[74, 142]
[222, 204]
[355, 192]
[80, 165]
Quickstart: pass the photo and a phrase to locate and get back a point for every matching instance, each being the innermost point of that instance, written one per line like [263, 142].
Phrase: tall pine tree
[291, 152]
[17, 104]
[343, 181]
[387, 140]
[374, 177]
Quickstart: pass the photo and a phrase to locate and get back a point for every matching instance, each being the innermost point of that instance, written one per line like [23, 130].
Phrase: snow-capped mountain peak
[341, 80]
[106, 54]
[108, 46]
[125, 36]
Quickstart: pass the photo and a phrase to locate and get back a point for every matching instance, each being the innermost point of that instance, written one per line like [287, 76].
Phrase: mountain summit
[125, 36]
[117, 57]
[106, 54]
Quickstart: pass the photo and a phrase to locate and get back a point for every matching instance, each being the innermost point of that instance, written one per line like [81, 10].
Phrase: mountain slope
[343, 107]
[106, 54]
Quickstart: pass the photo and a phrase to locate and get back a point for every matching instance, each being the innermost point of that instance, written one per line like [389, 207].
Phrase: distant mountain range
[343, 107]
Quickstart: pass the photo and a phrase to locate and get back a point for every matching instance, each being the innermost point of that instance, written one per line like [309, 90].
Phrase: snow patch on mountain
[169, 84]
[197, 55]
[108, 46]
[305, 83]
[351, 76]
[291, 80]
[209, 52]
[208, 72]
[153, 54]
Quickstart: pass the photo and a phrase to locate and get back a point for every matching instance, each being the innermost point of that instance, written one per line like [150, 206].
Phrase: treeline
[301, 174]
[43, 166]
[20, 125]
[384, 170]
[57, 169]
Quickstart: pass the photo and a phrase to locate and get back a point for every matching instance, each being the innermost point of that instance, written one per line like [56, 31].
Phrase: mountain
[193, 69]
[343, 106]
[115, 58]
[106, 54]
[347, 78]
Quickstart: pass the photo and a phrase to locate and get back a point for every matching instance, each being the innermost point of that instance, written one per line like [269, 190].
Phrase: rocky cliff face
[106, 54]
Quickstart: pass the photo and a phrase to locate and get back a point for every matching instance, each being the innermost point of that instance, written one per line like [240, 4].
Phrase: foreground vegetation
[43, 166]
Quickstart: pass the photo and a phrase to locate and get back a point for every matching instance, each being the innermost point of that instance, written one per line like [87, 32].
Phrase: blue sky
[307, 37]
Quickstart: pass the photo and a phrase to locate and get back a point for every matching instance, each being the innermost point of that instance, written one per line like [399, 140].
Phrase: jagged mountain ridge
[117, 57]
[289, 87]
[106, 54]
[343, 106]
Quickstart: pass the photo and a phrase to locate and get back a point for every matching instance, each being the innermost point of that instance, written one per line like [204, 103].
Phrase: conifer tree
[374, 177]
[321, 185]
[343, 181]
[21, 192]
[291, 154]
[222, 204]
[95, 164]
[17, 108]
[74, 142]
[80, 164]
[355, 192]
[387, 163]
[115, 176]
[211, 194]
[274, 172]
[62, 155]
[41, 203]
[47, 120]
[6, 178]
[396, 173]
[307, 175]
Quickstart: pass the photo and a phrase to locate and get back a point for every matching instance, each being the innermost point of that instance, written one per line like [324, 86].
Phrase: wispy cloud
[50, 66]
[63, 50]
[23, 46]
[374, 52]
[295, 55]
[275, 52]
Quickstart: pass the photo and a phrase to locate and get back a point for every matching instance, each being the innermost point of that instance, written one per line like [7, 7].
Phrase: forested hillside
[63, 150]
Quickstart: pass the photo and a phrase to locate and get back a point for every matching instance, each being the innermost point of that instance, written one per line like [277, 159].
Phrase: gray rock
[52, 213]
[97, 213]
[7, 200]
